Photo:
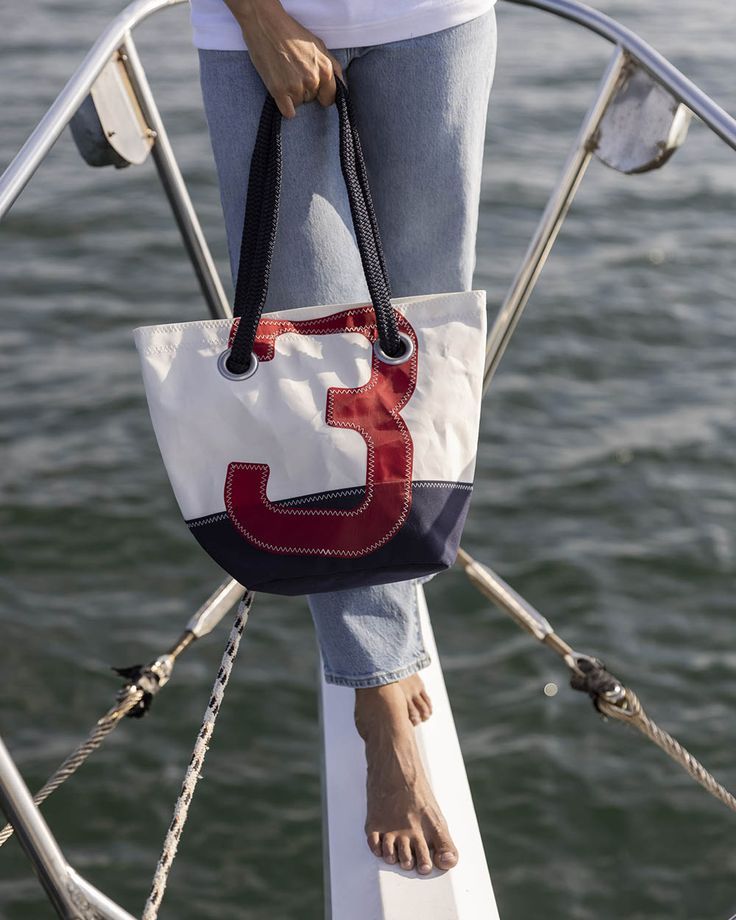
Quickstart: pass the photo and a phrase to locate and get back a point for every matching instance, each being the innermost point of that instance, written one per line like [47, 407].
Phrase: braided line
[74, 761]
[365, 223]
[255, 203]
[259, 234]
[193, 773]
[362, 176]
[261, 221]
[634, 714]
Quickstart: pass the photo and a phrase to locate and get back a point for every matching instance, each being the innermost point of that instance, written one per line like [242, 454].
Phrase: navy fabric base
[426, 543]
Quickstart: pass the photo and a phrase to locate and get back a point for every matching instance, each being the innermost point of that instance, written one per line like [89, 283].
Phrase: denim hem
[378, 680]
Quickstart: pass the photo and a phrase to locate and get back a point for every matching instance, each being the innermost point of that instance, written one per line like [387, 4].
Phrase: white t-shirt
[340, 23]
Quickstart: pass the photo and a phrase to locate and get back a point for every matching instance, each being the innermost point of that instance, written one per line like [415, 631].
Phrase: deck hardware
[643, 125]
[611, 698]
[109, 128]
[174, 185]
[590, 676]
[130, 698]
[149, 679]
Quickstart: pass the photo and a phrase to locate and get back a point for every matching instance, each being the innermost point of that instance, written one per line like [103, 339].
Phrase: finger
[414, 715]
[327, 90]
[311, 89]
[286, 105]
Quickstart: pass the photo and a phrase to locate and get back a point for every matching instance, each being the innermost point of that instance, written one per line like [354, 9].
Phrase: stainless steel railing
[632, 57]
[47, 131]
[657, 66]
[117, 37]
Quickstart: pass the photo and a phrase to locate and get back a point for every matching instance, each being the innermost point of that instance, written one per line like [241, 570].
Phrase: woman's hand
[294, 64]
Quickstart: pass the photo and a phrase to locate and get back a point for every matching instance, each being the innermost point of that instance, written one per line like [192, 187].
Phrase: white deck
[359, 886]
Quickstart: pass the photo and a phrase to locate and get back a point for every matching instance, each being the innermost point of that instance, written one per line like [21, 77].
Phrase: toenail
[425, 867]
[447, 858]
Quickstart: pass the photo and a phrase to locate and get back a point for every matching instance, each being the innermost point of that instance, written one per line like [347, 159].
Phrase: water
[605, 495]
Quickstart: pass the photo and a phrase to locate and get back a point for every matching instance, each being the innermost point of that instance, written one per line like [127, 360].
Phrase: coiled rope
[194, 770]
[589, 675]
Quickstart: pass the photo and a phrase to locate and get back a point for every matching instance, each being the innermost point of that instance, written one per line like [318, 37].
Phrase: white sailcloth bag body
[324, 447]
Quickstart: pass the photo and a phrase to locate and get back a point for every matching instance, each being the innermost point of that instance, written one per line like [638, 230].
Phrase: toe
[445, 851]
[446, 859]
[421, 852]
[427, 702]
[389, 848]
[374, 843]
[406, 857]
[423, 707]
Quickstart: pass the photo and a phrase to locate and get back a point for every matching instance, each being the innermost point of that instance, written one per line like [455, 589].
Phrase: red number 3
[372, 410]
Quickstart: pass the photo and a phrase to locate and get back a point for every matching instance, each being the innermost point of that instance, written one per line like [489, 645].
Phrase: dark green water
[605, 494]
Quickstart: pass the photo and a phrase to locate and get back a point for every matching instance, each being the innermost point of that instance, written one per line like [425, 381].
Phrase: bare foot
[404, 823]
[418, 702]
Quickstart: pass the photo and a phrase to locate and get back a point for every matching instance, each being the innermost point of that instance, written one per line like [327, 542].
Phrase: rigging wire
[588, 674]
[130, 697]
[144, 682]
[610, 697]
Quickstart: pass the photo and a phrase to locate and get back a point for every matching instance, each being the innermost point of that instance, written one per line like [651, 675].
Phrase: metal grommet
[399, 359]
[248, 372]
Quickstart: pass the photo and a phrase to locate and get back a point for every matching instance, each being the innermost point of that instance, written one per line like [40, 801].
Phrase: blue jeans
[420, 106]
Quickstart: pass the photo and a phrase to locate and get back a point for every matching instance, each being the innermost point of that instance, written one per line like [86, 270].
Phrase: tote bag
[324, 447]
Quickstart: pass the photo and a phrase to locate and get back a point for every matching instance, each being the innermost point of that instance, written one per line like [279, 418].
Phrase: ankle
[386, 696]
[381, 709]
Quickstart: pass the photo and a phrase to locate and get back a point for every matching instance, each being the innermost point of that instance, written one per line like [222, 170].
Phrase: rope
[131, 696]
[633, 713]
[610, 697]
[193, 773]
[135, 697]
[260, 224]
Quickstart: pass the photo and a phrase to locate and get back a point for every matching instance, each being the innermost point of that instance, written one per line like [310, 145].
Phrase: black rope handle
[259, 235]
[365, 223]
[261, 220]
